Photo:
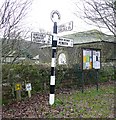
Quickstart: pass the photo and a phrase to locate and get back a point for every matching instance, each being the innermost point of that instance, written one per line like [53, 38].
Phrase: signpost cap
[53, 16]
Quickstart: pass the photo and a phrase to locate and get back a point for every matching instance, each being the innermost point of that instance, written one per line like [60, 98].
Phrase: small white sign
[41, 38]
[65, 27]
[28, 87]
[65, 42]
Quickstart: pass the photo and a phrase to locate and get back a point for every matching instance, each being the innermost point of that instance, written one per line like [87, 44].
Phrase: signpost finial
[55, 16]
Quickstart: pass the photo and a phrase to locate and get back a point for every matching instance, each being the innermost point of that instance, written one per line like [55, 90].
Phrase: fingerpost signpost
[55, 17]
[55, 41]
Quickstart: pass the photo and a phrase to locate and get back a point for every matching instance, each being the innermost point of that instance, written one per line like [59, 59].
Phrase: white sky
[39, 16]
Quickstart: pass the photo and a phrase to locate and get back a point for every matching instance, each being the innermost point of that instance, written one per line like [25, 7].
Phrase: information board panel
[91, 59]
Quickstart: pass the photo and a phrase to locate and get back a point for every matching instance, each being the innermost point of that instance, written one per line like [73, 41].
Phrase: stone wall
[74, 55]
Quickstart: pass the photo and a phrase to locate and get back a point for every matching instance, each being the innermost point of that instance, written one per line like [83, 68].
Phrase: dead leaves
[68, 104]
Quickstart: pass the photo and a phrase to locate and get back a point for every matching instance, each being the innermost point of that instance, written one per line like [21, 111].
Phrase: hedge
[39, 77]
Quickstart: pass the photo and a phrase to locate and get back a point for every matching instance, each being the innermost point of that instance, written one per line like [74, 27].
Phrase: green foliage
[61, 72]
[89, 104]
[57, 103]
[24, 73]
[106, 74]
[68, 76]
[39, 77]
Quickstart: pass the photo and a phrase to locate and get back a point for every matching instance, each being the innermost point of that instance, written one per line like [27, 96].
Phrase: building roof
[90, 36]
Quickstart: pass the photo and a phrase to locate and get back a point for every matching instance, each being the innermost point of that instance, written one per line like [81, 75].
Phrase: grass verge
[90, 104]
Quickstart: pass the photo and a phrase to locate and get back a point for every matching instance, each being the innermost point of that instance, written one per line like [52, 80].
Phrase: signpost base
[51, 99]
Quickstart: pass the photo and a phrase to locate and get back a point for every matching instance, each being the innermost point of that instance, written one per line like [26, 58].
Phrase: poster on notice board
[91, 59]
[87, 59]
[96, 59]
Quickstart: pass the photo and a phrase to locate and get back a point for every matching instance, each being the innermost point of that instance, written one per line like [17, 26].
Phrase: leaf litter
[69, 103]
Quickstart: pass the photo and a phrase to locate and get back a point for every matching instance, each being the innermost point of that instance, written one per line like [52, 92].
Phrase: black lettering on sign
[96, 58]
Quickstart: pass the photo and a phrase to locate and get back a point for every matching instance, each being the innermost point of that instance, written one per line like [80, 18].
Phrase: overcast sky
[39, 16]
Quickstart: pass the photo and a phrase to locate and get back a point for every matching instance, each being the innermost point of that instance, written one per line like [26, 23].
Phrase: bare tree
[12, 13]
[101, 13]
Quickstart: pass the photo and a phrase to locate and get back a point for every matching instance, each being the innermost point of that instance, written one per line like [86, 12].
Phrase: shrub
[16, 73]
[39, 77]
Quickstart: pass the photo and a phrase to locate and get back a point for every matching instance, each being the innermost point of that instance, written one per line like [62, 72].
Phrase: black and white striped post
[53, 62]
[53, 65]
